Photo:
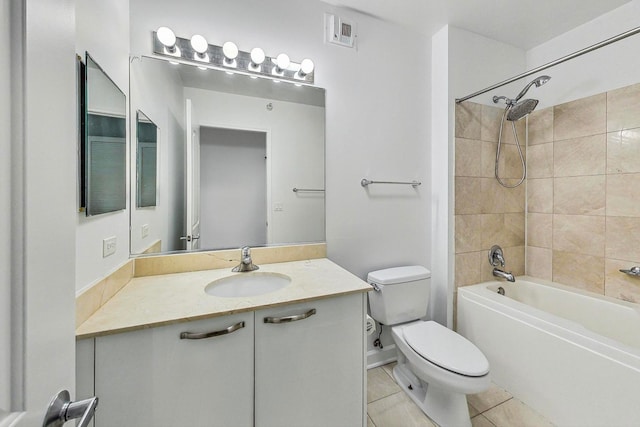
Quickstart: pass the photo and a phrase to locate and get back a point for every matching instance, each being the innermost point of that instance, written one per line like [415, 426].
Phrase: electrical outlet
[145, 230]
[109, 246]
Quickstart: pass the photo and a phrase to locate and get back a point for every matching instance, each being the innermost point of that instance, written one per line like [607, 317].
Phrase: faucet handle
[496, 256]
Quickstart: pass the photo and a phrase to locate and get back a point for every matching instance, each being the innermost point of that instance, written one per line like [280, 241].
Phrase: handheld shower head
[538, 81]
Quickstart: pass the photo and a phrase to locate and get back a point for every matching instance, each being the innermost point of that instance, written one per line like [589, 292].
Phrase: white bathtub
[573, 356]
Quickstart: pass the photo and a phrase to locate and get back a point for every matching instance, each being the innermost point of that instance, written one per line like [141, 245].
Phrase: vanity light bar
[214, 57]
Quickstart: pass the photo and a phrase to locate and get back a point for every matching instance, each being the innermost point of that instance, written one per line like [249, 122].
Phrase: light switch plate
[109, 246]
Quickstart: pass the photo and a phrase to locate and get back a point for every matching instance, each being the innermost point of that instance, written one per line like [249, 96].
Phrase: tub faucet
[504, 274]
[246, 264]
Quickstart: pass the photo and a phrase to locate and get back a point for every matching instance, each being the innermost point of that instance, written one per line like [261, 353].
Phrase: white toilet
[436, 367]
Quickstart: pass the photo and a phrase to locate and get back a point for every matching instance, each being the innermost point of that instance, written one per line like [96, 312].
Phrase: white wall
[296, 152]
[377, 114]
[165, 108]
[608, 68]
[462, 63]
[102, 29]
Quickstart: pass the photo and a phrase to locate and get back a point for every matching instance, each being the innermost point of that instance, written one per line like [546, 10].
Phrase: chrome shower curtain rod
[552, 63]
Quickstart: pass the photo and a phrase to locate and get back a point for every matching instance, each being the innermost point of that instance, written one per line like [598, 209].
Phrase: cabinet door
[310, 372]
[154, 378]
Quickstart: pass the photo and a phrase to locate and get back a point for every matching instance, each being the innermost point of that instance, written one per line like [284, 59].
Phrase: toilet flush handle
[376, 287]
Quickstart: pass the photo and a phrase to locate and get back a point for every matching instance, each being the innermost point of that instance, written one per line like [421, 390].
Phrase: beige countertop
[151, 301]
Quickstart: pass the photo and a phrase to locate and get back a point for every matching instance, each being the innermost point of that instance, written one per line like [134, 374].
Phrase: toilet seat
[446, 349]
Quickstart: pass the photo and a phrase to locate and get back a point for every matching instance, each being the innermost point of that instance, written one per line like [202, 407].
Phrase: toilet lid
[445, 348]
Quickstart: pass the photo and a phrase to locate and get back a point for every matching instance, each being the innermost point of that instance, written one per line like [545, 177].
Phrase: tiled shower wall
[486, 213]
[583, 193]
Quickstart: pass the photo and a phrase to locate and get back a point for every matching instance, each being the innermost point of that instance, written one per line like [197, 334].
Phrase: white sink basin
[247, 285]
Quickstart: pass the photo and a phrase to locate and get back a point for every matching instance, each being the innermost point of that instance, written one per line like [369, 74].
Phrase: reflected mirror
[104, 143]
[146, 161]
[240, 160]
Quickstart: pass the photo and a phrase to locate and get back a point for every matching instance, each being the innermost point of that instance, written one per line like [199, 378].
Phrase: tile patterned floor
[389, 406]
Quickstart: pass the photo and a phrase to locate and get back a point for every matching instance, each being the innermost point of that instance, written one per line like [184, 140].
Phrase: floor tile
[380, 384]
[369, 422]
[388, 368]
[515, 413]
[481, 421]
[397, 410]
[489, 398]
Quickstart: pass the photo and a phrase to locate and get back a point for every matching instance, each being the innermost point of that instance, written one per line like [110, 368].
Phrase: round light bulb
[166, 36]
[283, 61]
[257, 56]
[199, 43]
[230, 50]
[306, 66]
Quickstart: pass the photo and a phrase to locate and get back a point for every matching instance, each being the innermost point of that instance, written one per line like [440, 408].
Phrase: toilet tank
[402, 294]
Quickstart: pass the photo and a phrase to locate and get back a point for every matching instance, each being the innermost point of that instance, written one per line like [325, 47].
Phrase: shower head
[521, 109]
[538, 81]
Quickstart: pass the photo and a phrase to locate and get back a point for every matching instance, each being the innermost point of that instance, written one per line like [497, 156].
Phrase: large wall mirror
[103, 143]
[241, 161]
[146, 161]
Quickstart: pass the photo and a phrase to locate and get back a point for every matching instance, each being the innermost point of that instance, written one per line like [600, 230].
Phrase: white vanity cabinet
[304, 366]
[153, 378]
[309, 364]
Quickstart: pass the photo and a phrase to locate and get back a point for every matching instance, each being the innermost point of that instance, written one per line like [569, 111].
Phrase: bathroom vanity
[162, 352]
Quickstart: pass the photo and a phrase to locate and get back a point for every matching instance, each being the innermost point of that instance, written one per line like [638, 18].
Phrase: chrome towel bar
[365, 182]
[307, 190]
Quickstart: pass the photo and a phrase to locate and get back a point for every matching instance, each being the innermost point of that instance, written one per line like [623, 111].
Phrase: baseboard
[378, 357]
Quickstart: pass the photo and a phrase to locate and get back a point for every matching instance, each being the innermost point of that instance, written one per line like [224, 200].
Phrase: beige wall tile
[540, 195]
[508, 136]
[514, 198]
[486, 273]
[623, 108]
[117, 280]
[467, 269]
[488, 159]
[579, 270]
[510, 162]
[623, 238]
[620, 285]
[539, 230]
[491, 196]
[468, 233]
[468, 157]
[623, 151]
[541, 126]
[580, 234]
[583, 117]
[89, 301]
[514, 229]
[623, 197]
[468, 116]
[540, 161]
[539, 262]
[468, 196]
[580, 156]
[514, 257]
[579, 195]
[492, 226]
[490, 124]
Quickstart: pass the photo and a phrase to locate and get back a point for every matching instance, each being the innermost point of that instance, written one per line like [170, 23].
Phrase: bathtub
[571, 355]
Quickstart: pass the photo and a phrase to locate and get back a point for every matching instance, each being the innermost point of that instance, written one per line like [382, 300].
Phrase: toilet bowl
[436, 367]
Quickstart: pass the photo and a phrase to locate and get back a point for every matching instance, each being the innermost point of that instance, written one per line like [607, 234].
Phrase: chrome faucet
[246, 264]
[503, 274]
[497, 257]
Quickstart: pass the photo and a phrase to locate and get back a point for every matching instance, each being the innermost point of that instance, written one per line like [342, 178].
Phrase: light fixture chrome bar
[365, 182]
[573, 55]
[214, 58]
[307, 190]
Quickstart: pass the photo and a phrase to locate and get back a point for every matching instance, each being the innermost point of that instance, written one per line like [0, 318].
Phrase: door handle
[62, 409]
[189, 238]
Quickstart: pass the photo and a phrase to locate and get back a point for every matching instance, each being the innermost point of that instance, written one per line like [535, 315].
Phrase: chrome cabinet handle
[287, 319]
[62, 409]
[203, 335]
